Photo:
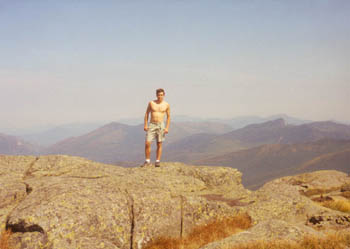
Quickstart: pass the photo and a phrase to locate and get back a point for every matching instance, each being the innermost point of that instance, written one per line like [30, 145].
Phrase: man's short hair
[159, 90]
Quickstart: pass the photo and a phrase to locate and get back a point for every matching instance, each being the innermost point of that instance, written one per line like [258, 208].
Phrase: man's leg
[147, 154]
[159, 150]
[148, 150]
[160, 139]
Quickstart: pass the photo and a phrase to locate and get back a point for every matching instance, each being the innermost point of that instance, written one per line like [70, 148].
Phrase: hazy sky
[79, 60]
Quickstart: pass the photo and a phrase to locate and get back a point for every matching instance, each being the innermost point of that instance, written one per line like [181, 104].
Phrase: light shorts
[155, 131]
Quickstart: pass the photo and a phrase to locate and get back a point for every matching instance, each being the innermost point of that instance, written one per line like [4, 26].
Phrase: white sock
[148, 160]
[157, 161]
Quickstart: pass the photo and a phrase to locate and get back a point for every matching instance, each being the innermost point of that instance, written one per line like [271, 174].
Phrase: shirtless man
[156, 130]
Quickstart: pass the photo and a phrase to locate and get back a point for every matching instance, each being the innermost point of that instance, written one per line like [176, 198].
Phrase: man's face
[160, 96]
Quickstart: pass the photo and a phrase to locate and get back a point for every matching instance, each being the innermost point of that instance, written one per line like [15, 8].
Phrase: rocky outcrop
[59, 201]
[267, 230]
[71, 202]
[282, 210]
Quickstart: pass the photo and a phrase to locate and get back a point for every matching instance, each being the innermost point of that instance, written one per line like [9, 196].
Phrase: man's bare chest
[158, 107]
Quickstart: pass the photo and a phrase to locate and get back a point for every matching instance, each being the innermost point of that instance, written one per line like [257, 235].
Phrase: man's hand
[166, 131]
[145, 128]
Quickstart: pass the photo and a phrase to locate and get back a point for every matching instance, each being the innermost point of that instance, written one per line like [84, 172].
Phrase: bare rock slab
[71, 202]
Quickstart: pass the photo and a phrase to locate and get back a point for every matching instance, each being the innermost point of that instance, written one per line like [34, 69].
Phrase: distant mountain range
[50, 141]
[58, 133]
[119, 142]
[107, 144]
[202, 146]
[240, 122]
[47, 135]
[51, 134]
[234, 123]
[263, 163]
[262, 151]
[12, 145]
[192, 142]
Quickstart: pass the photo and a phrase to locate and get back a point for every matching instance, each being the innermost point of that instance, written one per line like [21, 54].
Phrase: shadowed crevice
[22, 227]
[86, 177]
[130, 200]
[29, 189]
[132, 225]
[182, 216]
[28, 172]
[230, 202]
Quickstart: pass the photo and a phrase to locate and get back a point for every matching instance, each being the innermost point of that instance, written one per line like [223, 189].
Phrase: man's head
[160, 94]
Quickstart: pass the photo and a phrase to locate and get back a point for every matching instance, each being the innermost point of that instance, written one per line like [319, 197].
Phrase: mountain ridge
[271, 132]
[266, 162]
[13, 145]
[122, 144]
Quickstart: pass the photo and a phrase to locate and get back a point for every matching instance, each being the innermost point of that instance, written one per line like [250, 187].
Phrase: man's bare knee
[159, 144]
[147, 143]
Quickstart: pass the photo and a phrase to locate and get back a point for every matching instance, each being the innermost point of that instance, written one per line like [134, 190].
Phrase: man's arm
[146, 117]
[166, 130]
